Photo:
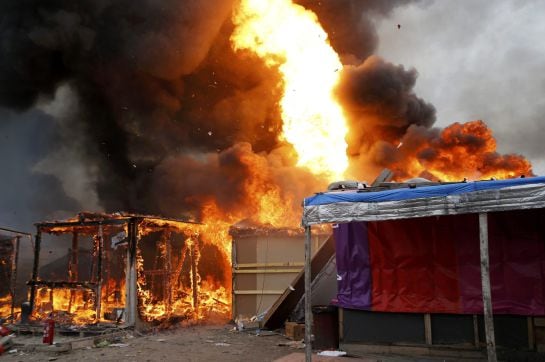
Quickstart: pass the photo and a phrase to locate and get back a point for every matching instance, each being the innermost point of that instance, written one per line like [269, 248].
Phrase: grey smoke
[477, 60]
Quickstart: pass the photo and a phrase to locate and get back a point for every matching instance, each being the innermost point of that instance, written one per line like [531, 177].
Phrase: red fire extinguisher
[4, 331]
[49, 329]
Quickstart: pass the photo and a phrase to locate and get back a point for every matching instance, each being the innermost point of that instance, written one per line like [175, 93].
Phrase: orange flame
[290, 37]
[461, 151]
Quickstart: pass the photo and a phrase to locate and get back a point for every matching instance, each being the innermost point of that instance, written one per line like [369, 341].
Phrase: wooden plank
[341, 323]
[531, 334]
[258, 292]
[269, 265]
[266, 271]
[476, 331]
[539, 321]
[281, 309]
[308, 295]
[487, 295]
[427, 328]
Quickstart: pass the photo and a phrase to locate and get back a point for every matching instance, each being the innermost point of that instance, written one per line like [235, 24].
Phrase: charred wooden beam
[168, 270]
[13, 288]
[67, 224]
[194, 286]
[62, 284]
[15, 231]
[131, 304]
[73, 267]
[100, 248]
[35, 266]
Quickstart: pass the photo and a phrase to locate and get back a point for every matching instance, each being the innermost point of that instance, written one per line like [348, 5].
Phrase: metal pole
[487, 295]
[35, 267]
[308, 297]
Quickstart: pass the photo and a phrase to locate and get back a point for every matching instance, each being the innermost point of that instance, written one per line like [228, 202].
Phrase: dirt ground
[194, 343]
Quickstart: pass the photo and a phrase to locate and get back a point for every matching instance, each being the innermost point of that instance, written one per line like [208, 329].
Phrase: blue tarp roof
[419, 192]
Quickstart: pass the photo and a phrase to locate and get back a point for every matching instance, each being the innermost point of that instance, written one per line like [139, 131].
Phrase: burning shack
[10, 241]
[125, 268]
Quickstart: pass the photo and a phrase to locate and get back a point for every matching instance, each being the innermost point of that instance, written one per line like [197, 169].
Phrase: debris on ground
[332, 353]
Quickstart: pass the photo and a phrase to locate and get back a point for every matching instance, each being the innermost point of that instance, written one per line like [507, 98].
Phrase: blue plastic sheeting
[418, 192]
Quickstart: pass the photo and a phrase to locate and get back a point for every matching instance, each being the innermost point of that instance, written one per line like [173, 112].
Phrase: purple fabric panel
[517, 252]
[517, 255]
[353, 269]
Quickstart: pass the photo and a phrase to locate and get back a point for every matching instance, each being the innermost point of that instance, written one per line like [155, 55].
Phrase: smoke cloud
[150, 110]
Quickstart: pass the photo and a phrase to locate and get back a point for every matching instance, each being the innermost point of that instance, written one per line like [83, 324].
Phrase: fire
[288, 36]
[182, 294]
[5, 306]
[462, 151]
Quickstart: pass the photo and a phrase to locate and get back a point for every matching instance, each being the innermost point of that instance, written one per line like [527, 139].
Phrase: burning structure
[10, 241]
[138, 269]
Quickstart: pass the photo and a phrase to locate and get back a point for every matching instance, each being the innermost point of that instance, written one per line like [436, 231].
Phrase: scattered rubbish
[5, 343]
[102, 344]
[12, 351]
[4, 331]
[293, 344]
[52, 358]
[332, 353]
[267, 333]
[160, 340]
[248, 324]
[120, 345]
[209, 341]
[295, 331]
[222, 344]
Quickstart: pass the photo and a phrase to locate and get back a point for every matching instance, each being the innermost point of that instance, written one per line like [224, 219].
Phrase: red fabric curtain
[432, 264]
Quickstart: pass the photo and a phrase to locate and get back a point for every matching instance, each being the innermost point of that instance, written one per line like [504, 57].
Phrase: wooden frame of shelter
[413, 201]
[97, 225]
[15, 239]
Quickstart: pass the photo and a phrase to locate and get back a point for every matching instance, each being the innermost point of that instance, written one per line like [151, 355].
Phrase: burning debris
[138, 268]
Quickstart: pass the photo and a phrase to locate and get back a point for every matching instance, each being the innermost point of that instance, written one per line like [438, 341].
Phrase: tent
[455, 277]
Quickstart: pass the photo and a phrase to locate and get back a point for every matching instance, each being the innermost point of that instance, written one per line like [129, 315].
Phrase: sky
[477, 59]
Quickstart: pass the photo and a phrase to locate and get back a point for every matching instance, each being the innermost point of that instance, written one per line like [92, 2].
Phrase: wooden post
[73, 268]
[98, 296]
[194, 252]
[234, 264]
[13, 282]
[487, 295]
[427, 329]
[131, 308]
[308, 297]
[531, 333]
[35, 267]
[168, 272]
[476, 330]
